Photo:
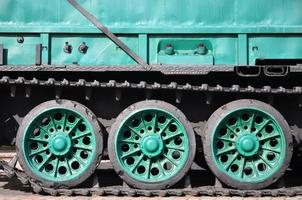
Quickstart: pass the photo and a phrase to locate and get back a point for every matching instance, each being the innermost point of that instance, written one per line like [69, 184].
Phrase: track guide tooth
[10, 170]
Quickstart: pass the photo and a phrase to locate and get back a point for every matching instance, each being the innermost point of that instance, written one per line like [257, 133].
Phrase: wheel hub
[248, 144]
[152, 145]
[60, 144]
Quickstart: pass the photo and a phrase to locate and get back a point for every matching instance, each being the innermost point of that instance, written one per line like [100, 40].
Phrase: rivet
[201, 49]
[169, 50]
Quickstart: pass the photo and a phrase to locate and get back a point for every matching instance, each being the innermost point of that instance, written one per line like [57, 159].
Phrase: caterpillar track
[37, 187]
[126, 191]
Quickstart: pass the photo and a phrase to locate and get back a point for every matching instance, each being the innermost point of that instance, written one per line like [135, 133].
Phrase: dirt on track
[14, 190]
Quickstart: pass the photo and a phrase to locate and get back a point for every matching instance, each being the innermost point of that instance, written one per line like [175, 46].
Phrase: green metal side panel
[157, 16]
[100, 50]
[234, 32]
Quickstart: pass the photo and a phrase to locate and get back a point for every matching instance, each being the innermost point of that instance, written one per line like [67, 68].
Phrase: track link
[10, 171]
[126, 191]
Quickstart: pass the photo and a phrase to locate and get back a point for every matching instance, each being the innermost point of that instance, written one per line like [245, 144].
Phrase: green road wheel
[247, 144]
[59, 143]
[151, 145]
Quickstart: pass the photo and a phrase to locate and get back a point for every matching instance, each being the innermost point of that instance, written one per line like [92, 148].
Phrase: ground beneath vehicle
[206, 98]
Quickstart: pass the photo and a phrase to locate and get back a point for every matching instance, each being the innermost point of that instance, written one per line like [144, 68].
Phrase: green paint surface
[151, 145]
[58, 145]
[248, 145]
[234, 34]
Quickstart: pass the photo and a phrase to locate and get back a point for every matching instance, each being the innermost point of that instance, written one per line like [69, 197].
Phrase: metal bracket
[38, 54]
[1, 55]
[109, 34]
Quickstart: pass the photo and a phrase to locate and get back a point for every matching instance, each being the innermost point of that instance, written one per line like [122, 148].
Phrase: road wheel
[248, 144]
[59, 143]
[151, 145]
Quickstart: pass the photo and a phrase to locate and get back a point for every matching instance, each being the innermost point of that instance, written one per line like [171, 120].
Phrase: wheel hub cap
[247, 144]
[60, 144]
[152, 145]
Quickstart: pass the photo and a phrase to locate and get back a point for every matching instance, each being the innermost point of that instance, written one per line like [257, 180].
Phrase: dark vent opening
[278, 61]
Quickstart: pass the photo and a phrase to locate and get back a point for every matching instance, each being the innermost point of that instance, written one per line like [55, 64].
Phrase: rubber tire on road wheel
[115, 128]
[65, 104]
[222, 112]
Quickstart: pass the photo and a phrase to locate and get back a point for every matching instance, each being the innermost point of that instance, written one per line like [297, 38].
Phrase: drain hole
[172, 128]
[86, 140]
[75, 165]
[154, 171]
[130, 160]
[141, 169]
[37, 132]
[234, 168]
[161, 119]
[73, 134]
[39, 159]
[125, 147]
[269, 129]
[245, 116]
[62, 170]
[177, 141]
[176, 154]
[84, 154]
[148, 118]
[127, 134]
[270, 156]
[45, 121]
[48, 167]
[223, 131]
[258, 120]
[224, 158]
[71, 118]
[167, 166]
[58, 116]
[135, 123]
[248, 171]
[220, 145]
[261, 167]
[232, 121]
[82, 127]
[34, 146]
[273, 142]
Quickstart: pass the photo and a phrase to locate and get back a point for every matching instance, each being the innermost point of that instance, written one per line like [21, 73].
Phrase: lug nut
[201, 49]
[83, 48]
[169, 50]
[67, 48]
